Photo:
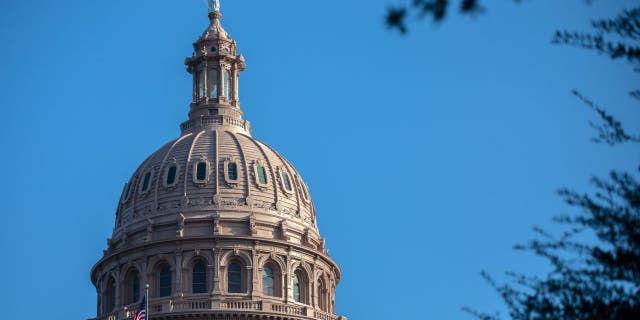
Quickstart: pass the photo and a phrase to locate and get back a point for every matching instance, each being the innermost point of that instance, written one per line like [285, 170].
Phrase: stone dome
[241, 179]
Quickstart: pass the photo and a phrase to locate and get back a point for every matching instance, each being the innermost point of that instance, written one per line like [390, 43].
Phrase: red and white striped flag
[141, 314]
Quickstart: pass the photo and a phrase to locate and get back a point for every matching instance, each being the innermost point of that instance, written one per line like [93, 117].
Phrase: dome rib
[186, 169]
[244, 162]
[215, 163]
[162, 166]
[273, 175]
[287, 166]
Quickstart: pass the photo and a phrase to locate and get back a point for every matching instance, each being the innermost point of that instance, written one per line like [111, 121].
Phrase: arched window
[127, 191]
[164, 281]
[227, 84]
[212, 79]
[145, 182]
[300, 288]
[132, 287]
[234, 278]
[110, 295]
[305, 190]
[296, 288]
[199, 277]
[268, 281]
[322, 295]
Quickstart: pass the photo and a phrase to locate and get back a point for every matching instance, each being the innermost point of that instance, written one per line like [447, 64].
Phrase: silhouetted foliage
[626, 26]
[436, 9]
[591, 278]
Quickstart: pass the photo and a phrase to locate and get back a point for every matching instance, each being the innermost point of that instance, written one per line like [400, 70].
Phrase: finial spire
[214, 6]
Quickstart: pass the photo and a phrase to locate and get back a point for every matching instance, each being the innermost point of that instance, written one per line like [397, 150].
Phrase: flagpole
[146, 307]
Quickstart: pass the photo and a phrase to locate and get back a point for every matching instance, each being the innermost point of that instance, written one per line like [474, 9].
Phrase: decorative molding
[201, 183]
[231, 182]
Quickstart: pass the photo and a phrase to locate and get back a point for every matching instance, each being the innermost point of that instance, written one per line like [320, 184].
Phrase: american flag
[141, 314]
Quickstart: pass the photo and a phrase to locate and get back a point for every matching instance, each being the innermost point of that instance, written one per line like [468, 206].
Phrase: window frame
[165, 176]
[110, 295]
[282, 172]
[270, 277]
[227, 178]
[130, 291]
[226, 87]
[304, 189]
[161, 268]
[260, 164]
[204, 283]
[126, 195]
[212, 84]
[194, 174]
[141, 189]
[241, 284]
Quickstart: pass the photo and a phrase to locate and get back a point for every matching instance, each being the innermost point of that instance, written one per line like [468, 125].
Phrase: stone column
[252, 283]
[314, 287]
[220, 79]
[255, 285]
[178, 283]
[216, 290]
[287, 279]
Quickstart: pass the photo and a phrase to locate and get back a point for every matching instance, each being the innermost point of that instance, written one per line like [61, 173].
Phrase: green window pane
[212, 79]
[201, 171]
[171, 175]
[285, 179]
[199, 276]
[227, 84]
[232, 171]
[201, 84]
[165, 281]
[234, 278]
[267, 281]
[145, 181]
[296, 288]
[262, 175]
[135, 287]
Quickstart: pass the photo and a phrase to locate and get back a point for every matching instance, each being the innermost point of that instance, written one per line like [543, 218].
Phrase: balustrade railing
[324, 315]
[168, 305]
[289, 309]
[186, 305]
[241, 305]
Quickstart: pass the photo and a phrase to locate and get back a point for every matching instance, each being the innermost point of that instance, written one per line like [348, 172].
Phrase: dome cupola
[215, 67]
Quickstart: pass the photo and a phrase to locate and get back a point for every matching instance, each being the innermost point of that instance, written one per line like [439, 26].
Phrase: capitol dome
[216, 172]
[216, 224]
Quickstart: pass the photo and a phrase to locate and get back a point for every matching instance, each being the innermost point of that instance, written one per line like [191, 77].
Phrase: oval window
[201, 171]
[262, 175]
[171, 175]
[305, 190]
[127, 189]
[285, 181]
[145, 182]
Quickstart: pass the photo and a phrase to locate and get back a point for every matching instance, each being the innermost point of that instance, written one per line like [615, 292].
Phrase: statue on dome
[214, 6]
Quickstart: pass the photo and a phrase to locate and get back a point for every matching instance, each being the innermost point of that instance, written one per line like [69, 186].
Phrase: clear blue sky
[428, 156]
